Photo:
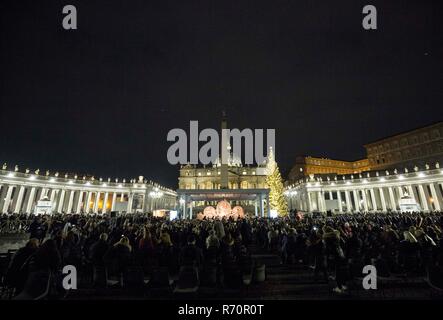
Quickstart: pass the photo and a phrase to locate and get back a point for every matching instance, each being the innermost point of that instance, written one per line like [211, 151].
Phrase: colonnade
[20, 193]
[374, 191]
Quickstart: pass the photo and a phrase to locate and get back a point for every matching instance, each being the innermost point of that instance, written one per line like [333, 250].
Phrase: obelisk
[225, 153]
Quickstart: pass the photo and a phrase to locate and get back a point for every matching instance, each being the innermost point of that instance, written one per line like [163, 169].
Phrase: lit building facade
[305, 166]
[21, 192]
[232, 182]
[409, 189]
[401, 173]
[415, 147]
[203, 186]
[239, 177]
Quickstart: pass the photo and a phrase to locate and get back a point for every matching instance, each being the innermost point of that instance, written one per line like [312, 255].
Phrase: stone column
[416, 195]
[439, 193]
[262, 212]
[30, 201]
[105, 201]
[18, 204]
[7, 199]
[52, 196]
[357, 200]
[340, 208]
[348, 201]
[97, 199]
[411, 192]
[88, 201]
[365, 200]
[309, 208]
[435, 198]
[114, 198]
[61, 201]
[175, 207]
[392, 199]
[382, 200]
[190, 209]
[70, 201]
[79, 202]
[423, 198]
[374, 200]
[130, 200]
[2, 195]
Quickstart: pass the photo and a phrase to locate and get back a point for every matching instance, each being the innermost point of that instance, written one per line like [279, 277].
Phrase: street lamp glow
[156, 193]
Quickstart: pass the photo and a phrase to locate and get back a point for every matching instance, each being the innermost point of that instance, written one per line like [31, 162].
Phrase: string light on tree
[274, 182]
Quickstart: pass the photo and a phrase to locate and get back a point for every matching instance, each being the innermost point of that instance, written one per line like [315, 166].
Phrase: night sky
[101, 99]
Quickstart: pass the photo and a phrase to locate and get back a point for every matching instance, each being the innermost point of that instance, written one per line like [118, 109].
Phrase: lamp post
[156, 194]
[182, 207]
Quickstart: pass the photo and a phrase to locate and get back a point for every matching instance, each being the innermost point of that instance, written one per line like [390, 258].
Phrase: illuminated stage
[188, 198]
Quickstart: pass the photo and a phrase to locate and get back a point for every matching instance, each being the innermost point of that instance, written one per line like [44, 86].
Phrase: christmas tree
[274, 182]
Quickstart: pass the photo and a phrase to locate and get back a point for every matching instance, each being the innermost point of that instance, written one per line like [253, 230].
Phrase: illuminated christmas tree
[274, 182]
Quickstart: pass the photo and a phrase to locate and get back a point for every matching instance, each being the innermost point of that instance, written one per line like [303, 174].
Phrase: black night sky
[101, 99]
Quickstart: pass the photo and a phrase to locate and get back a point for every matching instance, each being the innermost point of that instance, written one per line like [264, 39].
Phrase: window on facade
[404, 142]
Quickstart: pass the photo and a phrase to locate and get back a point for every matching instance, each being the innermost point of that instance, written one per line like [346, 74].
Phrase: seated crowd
[335, 247]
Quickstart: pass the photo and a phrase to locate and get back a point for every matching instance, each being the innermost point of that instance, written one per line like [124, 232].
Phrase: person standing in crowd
[98, 250]
[47, 257]
[71, 251]
[191, 255]
[119, 256]
[16, 275]
[288, 247]
[37, 229]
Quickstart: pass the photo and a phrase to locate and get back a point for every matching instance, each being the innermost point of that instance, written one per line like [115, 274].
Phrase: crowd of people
[334, 247]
